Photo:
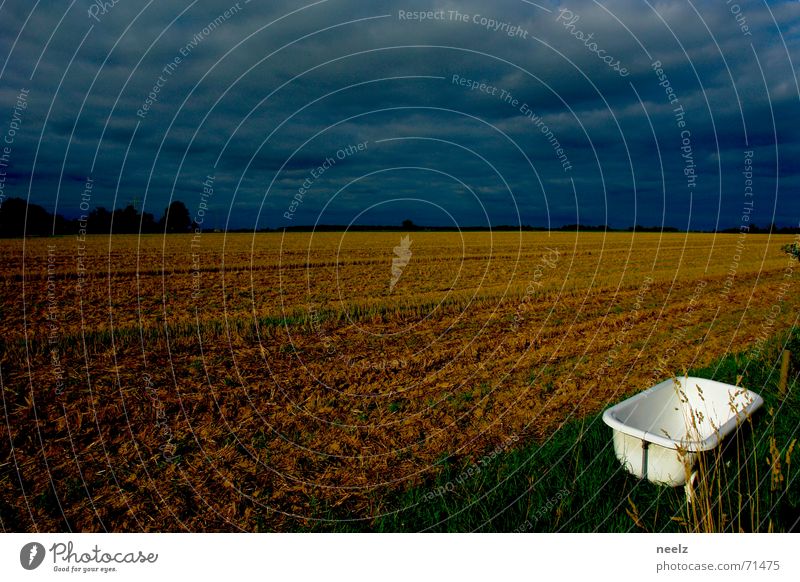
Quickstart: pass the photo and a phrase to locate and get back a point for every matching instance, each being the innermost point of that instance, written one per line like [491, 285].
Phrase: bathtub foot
[645, 448]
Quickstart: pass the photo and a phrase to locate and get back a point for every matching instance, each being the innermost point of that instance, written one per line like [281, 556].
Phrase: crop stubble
[271, 376]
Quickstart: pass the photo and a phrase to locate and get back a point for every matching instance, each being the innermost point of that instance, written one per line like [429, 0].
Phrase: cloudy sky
[575, 121]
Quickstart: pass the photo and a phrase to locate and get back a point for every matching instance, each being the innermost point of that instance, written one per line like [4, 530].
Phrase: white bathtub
[694, 414]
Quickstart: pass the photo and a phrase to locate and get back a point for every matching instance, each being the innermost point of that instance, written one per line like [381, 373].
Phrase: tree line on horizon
[18, 218]
[408, 225]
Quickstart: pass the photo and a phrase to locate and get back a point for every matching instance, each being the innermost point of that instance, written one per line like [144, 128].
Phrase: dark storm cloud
[265, 93]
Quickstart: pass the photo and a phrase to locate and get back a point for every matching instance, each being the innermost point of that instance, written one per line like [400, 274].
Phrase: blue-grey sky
[574, 121]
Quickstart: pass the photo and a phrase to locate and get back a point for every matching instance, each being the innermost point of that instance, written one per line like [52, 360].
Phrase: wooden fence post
[784, 372]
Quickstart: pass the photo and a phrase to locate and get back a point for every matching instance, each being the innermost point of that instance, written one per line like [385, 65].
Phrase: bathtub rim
[691, 445]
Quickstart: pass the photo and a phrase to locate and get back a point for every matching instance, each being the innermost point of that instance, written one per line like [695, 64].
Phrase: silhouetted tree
[99, 221]
[149, 223]
[126, 220]
[13, 219]
[176, 218]
[408, 224]
[64, 226]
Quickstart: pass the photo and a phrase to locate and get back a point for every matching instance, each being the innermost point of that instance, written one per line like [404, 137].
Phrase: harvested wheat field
[256, 382]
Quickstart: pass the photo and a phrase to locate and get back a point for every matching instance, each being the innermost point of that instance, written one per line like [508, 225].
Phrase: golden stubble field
[260, 382]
